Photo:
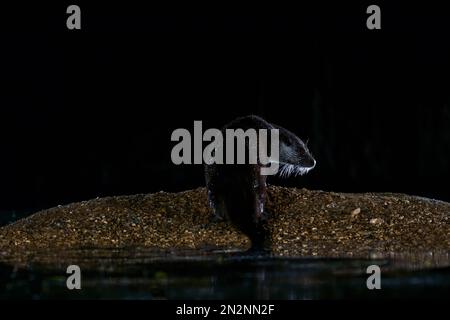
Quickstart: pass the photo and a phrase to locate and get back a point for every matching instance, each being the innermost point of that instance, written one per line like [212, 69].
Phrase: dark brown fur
[238, 192]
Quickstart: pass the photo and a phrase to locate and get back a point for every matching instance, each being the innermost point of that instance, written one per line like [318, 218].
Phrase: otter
[237, 192]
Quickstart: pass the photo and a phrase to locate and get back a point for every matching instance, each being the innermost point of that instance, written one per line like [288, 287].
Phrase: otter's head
[294, 157]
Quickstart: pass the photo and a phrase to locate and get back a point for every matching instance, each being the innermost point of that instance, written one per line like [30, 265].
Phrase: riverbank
[304, 223]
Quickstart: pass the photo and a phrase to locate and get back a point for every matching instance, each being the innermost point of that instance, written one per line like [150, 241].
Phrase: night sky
[88, 113]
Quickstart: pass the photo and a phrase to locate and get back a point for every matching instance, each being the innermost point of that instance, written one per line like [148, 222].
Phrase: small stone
[355, 212]
[376, 221]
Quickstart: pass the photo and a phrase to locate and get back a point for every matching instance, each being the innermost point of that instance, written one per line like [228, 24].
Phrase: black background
[89, 113]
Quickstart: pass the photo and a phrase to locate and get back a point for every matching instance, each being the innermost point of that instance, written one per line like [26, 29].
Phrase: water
[147, 274]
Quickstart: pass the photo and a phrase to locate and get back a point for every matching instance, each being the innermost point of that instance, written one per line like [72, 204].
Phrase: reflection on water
[144, 274]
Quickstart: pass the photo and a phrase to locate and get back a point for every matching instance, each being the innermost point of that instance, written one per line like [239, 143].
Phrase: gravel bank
[303, 223]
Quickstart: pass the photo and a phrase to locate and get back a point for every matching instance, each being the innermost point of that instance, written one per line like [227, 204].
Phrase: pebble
[376, 221]
[355, 212]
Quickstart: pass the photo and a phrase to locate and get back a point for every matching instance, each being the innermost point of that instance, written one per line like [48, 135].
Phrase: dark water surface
[142, 274]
